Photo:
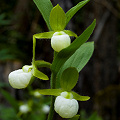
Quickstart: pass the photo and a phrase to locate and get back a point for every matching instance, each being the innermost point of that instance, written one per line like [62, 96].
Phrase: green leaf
[55, 92]
[39, 74]
[66, 53]
[10, 99]
[42, 63]
[76, 117]
[45, 7]
[69, 78]
[81, 57]
[70, 33]
[57, 18]
[74, 9]
[79, 97]
[78, 60]
[45, 35]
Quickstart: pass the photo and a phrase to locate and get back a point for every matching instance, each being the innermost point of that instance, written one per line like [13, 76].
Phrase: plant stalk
[51, 113]
[53, 85]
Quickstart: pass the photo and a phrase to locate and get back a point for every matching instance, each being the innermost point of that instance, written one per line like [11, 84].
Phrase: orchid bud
[24, 108]
[65, 105]
[60, 40]
[20, 78]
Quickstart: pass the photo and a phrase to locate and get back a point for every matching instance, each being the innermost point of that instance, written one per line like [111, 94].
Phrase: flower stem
[53, 84]
[51, 113]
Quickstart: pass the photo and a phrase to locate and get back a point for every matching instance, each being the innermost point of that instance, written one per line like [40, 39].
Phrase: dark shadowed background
[99, 79]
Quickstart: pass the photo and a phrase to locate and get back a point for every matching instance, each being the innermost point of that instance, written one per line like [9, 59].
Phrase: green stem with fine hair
[53, 86]
[51, 113]
[34, 44]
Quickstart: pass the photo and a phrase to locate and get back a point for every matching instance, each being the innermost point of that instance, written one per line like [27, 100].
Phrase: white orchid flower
[24, 108]
[60, 40]
[65, 105]
[20, 78]
[46, 108]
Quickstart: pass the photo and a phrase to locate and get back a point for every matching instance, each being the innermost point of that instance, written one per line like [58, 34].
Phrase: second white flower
[66, 107]
[60, 40]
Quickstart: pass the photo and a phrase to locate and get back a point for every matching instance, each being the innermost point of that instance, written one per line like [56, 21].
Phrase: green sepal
[42, 63]
[76, 117]
[66, 53]
[55, 92]
[79, 97]
[57, 18]
[69, 78]
[70, 33]
[74, 9]
[39, 74]
[44, 35]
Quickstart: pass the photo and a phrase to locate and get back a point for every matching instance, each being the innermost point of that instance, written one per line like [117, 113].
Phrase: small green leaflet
[39, 74]
[69, 78]
[79, 97]
[57, 18]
